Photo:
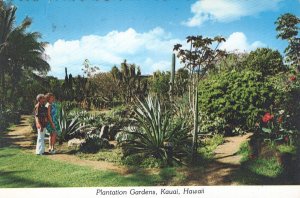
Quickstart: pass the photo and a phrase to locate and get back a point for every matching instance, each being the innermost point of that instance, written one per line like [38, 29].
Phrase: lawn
[22, 169]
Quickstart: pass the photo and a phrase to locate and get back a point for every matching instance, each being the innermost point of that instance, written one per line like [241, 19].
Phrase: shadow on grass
[288, 176]
[9, 179]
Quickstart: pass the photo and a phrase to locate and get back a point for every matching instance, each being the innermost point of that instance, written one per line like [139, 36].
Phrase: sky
[144, 31]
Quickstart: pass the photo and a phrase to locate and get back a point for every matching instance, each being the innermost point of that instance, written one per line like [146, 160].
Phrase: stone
[75, 142]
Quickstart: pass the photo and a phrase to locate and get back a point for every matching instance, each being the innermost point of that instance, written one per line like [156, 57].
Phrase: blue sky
[144, 31]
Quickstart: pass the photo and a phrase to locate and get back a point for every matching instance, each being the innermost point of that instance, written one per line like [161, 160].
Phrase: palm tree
[19, 50]
[7, 18]
[25, 52]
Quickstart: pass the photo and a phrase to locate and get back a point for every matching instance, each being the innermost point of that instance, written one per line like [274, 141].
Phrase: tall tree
[265, 60]
[20, 51]
[287, 28]
[7, 18]
[25, 52]
[198, 59]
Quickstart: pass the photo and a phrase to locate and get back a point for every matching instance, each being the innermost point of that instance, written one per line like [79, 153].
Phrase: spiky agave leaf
[155, 128]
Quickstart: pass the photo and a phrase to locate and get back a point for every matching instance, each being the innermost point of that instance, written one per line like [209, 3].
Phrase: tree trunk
[196, 119]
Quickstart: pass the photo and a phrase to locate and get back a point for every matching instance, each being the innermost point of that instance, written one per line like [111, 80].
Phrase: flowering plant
[274, 127]
[293, 78]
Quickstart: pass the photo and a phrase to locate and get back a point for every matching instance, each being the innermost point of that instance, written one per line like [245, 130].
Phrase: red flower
[279, 120]
[286, 138]
[267, 117]
[292, 78]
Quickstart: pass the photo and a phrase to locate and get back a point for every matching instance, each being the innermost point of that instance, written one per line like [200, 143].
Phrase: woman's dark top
[41, 112]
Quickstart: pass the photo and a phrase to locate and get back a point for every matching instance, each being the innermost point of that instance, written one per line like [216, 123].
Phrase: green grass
[172, 176]
[260, 171]
[256, 171]
[265, 167]
[21, 169]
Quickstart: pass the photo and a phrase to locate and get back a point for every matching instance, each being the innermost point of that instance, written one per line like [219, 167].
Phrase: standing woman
[41, 119]
[53, 125]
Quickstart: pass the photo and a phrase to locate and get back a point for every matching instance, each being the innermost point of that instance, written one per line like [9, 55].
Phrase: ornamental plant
[155, 134]
[274, 128]
[287, 88]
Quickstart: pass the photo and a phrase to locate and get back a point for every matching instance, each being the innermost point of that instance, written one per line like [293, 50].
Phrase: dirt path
[227, 152]
[218, 172]
[226, 162]
[21, 136]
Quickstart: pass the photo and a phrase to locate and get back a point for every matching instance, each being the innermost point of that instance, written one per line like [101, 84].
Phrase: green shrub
[212, 124]
[236, 97]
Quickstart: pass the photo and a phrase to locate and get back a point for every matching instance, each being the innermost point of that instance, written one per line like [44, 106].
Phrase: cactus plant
[172, 79]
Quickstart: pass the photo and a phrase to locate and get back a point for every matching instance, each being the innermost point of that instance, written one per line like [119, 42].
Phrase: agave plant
[68, 126]
[156, 134]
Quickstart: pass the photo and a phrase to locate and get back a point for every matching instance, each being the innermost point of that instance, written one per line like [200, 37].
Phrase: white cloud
[227, 10]
[237, 41]
[111, 49]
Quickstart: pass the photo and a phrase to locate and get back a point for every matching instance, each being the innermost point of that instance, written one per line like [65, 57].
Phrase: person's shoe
[53, 151]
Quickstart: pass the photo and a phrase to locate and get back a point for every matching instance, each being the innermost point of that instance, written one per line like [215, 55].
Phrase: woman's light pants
[40, 144]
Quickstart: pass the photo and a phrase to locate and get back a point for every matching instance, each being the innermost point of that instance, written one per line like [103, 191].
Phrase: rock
[75, 142]
[104, 132]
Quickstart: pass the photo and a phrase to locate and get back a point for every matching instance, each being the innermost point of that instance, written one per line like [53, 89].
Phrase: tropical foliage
[161, 118]
[237, 97]
[156, 134]
[68, 126]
